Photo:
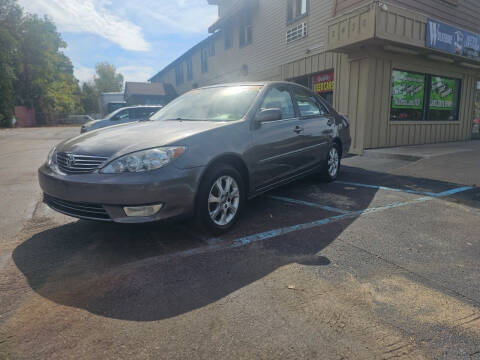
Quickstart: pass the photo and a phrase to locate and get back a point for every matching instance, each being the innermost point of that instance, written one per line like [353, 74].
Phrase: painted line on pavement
[215, 244]
[289, 229]
[311, 204]
[385, 188]
[453, 191]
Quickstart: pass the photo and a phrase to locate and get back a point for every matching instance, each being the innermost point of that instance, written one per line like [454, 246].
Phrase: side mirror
[268, 115]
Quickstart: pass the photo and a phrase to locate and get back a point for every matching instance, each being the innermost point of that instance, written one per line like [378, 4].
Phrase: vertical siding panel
[386, 104]
[464, 106]
[418, 134]
[308, 65]
[468, 118]
[314, 63]
[393, 135]
[321, 61]
[398, 134]
[328, 61]
[343, 89]
[411, 134]
[370, 84]
[353, 101]
[363, 100]
[377, 97]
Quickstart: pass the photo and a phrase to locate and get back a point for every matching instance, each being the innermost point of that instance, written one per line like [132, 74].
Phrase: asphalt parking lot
[380, 264]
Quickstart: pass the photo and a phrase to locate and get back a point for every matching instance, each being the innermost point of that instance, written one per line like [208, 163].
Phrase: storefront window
[322, 84]
[424, 97]
[444, 94]
[476, 117]
[408, 96]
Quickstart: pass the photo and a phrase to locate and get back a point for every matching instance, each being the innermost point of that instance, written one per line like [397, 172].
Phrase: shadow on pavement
[95, 266]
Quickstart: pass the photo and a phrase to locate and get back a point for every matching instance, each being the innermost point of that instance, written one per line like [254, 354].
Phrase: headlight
[144, 160]
[52, 158]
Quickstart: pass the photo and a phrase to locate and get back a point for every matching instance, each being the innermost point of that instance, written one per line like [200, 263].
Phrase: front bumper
[87, 195]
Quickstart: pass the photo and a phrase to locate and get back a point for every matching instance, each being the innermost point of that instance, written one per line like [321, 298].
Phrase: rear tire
[332, 164]
[220, 199]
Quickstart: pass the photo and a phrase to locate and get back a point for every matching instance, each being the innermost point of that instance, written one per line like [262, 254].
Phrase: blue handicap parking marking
[311, 204]
[242, 241]
[379, 187]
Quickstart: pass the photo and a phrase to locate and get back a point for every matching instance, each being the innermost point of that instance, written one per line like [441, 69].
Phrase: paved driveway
[376, 265]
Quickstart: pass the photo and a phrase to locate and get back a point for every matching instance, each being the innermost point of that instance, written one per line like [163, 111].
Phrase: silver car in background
[205, 153]
[122, 116]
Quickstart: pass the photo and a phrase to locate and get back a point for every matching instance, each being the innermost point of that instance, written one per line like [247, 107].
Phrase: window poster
[408, 90]
[442, 96]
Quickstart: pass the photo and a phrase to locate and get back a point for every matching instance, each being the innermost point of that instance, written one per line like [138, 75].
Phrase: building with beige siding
[404, 72]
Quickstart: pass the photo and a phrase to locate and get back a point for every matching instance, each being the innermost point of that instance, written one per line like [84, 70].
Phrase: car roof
[140, 106]
[252, 83]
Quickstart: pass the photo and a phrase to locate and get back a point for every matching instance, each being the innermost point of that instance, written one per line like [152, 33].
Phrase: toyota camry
[204, 154]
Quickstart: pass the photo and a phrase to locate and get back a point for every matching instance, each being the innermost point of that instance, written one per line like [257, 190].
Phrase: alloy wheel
[223, 200]
[333, 162]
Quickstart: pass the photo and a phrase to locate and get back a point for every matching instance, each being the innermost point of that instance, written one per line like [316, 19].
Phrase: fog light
[137, 211]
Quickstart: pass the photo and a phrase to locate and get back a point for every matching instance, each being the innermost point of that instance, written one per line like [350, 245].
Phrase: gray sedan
[204, 154]
[122, 116]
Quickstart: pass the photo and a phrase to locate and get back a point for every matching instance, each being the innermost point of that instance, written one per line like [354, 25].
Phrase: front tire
[220, 199]
[332, 163]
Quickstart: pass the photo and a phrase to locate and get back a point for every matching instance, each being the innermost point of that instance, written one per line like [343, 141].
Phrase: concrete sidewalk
[418, 152]
[456, 162]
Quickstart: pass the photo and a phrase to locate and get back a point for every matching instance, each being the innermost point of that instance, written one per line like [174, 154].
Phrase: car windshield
[227, 103]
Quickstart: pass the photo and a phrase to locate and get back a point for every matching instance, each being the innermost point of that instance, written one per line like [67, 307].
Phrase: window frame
[245, 29]
[287, 89]
[295, 16]
[320, 104]
[426, 101]
[228, 36]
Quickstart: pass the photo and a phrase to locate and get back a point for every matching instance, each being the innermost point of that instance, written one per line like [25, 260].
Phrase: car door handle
[298, 129]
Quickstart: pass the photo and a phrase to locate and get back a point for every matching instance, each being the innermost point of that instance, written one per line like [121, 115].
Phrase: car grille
[77, 209]
[78, 164]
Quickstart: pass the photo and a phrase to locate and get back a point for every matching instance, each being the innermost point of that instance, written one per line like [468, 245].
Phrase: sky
[139, 37]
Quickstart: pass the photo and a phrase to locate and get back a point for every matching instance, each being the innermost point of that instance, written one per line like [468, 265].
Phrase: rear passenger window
[279, 98]
[308, 105]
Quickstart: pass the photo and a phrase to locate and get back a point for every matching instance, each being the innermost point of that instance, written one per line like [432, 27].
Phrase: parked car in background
[204, 153]
[121, 116]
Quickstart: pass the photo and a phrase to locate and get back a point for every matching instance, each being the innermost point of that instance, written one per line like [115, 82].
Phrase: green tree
[10, 20]
[107, 79]
[45, 77]
[89, 98]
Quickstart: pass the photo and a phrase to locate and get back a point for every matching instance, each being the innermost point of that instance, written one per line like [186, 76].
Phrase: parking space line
[311, 204]
[317, 223]
[289, 229]
[216, 244]
[453, 191]
[378, 187]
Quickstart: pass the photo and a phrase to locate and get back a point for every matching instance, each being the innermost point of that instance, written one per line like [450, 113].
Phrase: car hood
[126, 138]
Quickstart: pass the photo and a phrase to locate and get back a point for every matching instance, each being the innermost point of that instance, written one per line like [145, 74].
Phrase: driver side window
[279, 98]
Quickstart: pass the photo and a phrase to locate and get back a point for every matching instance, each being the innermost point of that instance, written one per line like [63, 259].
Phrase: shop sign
[408, 90]
[447, 38]
[323, 83]
[442, 96]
